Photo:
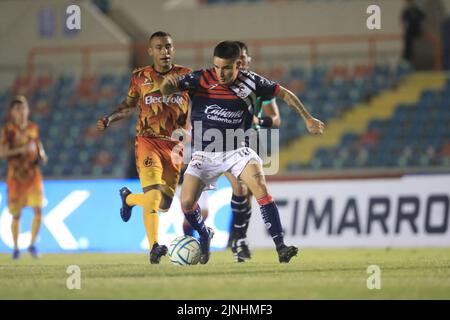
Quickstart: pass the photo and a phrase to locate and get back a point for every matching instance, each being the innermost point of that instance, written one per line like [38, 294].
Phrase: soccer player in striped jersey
[222, 108]
[21, 145]
[266, 115]
[159, 157]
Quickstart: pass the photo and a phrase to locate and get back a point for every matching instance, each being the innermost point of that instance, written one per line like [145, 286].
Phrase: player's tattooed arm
[6, 152]
[314, 126]
[125, 109]
[169, 85]
[42, 154]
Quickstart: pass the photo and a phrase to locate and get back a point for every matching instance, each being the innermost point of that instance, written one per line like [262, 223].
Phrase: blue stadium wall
[83, 216]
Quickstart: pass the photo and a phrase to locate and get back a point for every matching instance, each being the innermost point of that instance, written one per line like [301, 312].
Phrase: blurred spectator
[445, 152]
[412, 19]
[92, 133]
[103, 158]
[370, 138]
[435, 13]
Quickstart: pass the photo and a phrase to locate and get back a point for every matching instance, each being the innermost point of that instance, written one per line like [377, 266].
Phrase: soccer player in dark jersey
[159, 117]
[21, 145]
[266, 115]
[222, 108]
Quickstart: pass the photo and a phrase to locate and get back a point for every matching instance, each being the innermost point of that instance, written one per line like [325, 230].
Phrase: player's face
[20, 112]
[227, 70]
[245, 60]
[162, 51]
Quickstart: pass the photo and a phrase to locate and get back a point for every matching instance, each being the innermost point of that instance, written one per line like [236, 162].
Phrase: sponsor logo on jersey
[147, 82]
[216, 113]
[153, 99]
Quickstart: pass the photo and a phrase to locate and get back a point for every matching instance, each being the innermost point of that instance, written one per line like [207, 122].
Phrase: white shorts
[209, 166]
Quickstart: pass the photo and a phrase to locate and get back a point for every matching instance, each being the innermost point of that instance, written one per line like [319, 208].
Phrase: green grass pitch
[314, 274]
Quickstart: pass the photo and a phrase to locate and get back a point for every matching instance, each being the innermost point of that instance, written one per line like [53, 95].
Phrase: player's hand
[255, 120]
[31, 147]
[44, 159]
[314, 126]
[103, 123]
[171, 79]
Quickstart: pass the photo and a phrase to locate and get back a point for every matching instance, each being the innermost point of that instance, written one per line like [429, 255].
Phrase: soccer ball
[184, 250]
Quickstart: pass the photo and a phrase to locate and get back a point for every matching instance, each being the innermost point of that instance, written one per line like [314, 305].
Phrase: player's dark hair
[159, 34]
[242, 46]
[227, 50]
[17, 100]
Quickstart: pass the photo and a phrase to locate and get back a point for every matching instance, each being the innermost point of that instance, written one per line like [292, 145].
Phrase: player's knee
[165, 204]
[38, 213]
[239, 189]
[188, 204]
[152, 199]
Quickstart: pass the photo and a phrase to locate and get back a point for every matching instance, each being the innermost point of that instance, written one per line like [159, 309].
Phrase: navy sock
[241, 216]
[247, 217]
[271, 218]
[188, 230]
[194, 217]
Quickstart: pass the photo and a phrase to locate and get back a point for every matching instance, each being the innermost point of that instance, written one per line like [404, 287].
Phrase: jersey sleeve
[267, 102]
[35, 132]
[266, 89]
[189, 81]
[133, 89]
[6, 136]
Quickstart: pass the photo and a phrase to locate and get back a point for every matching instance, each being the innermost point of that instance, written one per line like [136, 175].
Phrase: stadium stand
[391, 134]
[416, 134]
[66, 110]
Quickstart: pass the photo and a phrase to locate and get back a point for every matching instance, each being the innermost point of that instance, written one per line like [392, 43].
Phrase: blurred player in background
[223, 101]
[266, 115]
[20, 144]
[158, 118]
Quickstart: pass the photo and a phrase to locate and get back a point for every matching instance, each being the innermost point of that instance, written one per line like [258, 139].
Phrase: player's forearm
[6, 153]
[123, 111]
[42, 152]
[294, 102]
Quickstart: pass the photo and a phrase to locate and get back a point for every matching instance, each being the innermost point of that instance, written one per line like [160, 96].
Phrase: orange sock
[152, 200]
[135, 199]
[15, 232]
[35, 227]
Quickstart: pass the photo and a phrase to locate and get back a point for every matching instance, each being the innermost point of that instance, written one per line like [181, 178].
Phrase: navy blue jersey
[219, 110]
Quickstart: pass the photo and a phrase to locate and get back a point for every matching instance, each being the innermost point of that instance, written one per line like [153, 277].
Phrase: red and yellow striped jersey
[159, 116]
[24, 166]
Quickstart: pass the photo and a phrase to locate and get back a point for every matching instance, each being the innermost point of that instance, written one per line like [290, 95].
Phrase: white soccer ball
[184, 250]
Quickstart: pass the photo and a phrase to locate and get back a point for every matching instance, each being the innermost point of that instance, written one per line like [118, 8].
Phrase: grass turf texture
[314, 274]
